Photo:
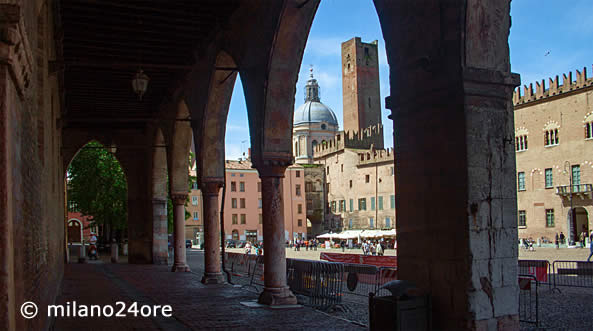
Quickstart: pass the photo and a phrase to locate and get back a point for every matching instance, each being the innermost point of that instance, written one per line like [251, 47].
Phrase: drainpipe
[222, 234]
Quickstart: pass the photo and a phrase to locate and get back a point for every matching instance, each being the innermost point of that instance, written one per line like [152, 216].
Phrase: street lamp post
[567, 168]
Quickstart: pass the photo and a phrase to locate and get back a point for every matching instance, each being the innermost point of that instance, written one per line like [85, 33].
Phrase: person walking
[562, 237]
[248, 248]
[557, 242]
[380, 249]
[590, 246]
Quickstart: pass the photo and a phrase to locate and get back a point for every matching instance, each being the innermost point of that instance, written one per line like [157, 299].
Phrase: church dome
[313, 111]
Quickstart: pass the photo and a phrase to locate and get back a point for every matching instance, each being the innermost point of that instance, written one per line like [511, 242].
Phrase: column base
[180, 267]
[277, 297]
[212, 278]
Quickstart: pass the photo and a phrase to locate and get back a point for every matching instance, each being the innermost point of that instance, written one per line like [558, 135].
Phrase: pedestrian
[557, 242]
[583, 236]
[248, 248]
[364, 248]
[562, 237]
[380, 249]
[590, 246]
[373, 249]
[343, 245]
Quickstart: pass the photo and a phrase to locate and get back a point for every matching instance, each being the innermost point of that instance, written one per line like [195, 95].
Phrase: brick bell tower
[360, 88]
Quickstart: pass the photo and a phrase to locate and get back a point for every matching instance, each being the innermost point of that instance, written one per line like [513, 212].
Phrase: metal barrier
[361, 279]
[386, 274]
[573, 273]
[257, 272]
[528, 299]
[540, 269]
[320, 281]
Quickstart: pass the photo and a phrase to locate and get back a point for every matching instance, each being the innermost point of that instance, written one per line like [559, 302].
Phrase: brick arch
[179, 148]
[209, 132]
[269, 75]
[72, 151]
[159, 166]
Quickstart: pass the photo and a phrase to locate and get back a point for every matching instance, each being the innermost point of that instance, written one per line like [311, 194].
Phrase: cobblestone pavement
[195, 306]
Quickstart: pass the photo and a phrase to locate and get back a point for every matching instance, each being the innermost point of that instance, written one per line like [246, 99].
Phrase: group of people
[373, 248]
[259, 248]
[310, 244]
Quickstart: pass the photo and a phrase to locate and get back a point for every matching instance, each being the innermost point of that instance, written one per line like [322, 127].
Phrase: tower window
[521, 143]
[589, 130]
[323, 126]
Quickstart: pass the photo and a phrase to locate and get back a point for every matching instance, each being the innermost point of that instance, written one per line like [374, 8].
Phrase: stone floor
[195, 306]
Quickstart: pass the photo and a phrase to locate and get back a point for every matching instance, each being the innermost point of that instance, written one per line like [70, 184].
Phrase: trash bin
[402, 313]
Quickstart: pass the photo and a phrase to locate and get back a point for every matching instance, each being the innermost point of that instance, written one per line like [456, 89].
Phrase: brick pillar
[212, 268]
[159, 234]
[276, 291]
[180, 264]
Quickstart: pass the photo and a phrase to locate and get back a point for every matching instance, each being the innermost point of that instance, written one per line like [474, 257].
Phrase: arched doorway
[74, 231]
[235, 235]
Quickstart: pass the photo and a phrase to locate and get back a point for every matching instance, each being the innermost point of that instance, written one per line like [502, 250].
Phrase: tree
[97, 184]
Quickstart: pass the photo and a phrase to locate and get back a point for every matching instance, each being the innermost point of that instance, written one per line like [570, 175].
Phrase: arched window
[551, 137]
[521, 139]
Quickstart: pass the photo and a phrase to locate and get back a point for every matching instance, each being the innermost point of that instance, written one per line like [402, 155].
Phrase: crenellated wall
[554, 88]
[365, 139]
[374, 156]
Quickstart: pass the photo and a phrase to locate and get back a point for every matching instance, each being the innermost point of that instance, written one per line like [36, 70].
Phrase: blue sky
[548, 38]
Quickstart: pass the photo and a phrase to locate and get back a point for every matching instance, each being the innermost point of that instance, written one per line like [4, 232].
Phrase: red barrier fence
[379, 261]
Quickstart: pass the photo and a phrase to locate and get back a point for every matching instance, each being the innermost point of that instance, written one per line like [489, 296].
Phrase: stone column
[212, 268]
[276, 291]
[180, 264]
[159, 231]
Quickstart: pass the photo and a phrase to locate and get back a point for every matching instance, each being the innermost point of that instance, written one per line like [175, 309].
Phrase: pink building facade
[243, 204]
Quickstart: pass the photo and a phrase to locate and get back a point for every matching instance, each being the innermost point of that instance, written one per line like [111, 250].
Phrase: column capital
[178, 198]
[211, 185]
[273, 164]
[159, 201]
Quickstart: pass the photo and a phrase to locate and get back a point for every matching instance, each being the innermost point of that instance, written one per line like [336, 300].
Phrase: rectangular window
[308, 187]
[194, 200]
[392, 197]
[243, 218]
[589, 130]
[388, 223]
[392, 171]
[576, 176]
[259, 186]
[333, 206]
[242, 186]
[300, 208]
[194, 185]
[521, 181]
[351, 205]
[351, 183]
[298, 190]
[327, 187]
[234, 218]
[240, 175]
[342, 206]
[242, 201]
[372, 203]
[549, 178]
[233, 203]
[300, 222]
[233, 186]
[309, 204]
[342, 167]
[196, 215]
[259, 203]
[350, 223]
[327, 171]
[232, 175]
[362, 204]
[298, 173]
[522, 218]
[380, 203]
[372, 223]
[549, 217]
[261, 219]
[367, 178]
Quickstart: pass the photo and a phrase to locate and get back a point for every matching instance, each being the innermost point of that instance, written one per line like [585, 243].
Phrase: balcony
[581, 190]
